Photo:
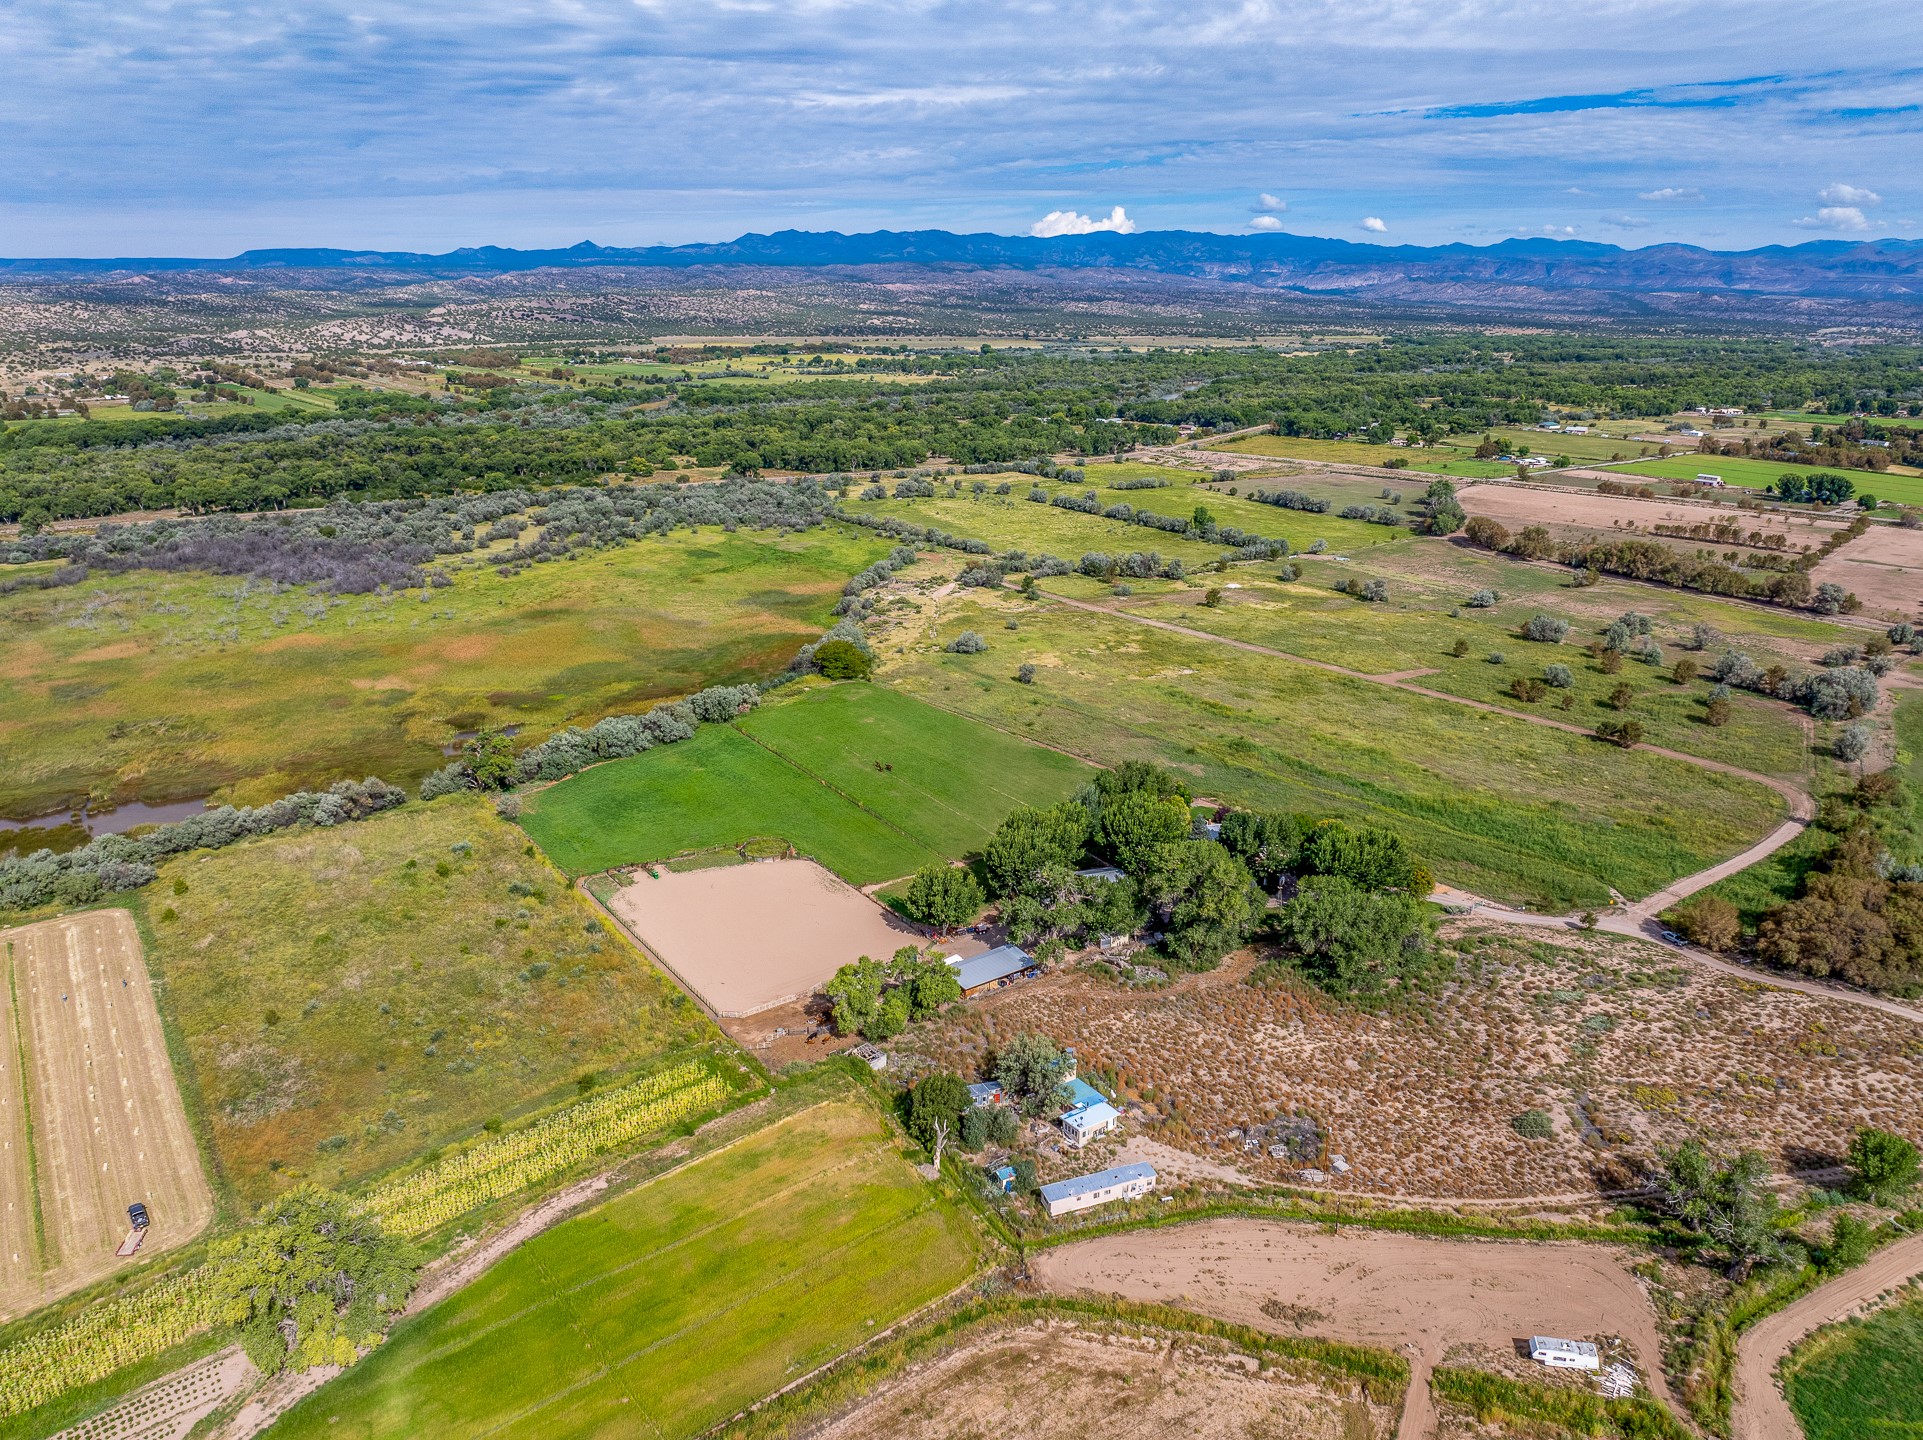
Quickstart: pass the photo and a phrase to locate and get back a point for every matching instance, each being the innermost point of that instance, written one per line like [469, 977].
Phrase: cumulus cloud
[1834, 217]
[1626, 222]
[1670, 192]
[1275, 203]
[1067, 222]
[1265, 222]
[1374, 225]
[1848, 195]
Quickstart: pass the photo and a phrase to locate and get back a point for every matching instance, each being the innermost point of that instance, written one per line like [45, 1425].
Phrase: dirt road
[1761, 1412]
[1408, 1292]
[107, 1120]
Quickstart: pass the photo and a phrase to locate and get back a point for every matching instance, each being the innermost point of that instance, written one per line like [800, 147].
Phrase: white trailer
[1564, 1354]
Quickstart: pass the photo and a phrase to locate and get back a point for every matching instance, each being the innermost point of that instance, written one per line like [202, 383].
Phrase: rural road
[1761, 1412]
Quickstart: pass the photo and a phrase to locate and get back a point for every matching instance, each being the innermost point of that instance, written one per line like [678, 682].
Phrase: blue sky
[140, 127]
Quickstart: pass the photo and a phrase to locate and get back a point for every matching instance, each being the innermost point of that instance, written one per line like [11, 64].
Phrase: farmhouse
[1564, 1354]
[1084, 1192]
[1089, 1114]
[992, 969]
[984, 1093]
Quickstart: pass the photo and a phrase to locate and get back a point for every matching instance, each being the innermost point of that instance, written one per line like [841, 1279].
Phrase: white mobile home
[1564, 1354]
[1084, 1192]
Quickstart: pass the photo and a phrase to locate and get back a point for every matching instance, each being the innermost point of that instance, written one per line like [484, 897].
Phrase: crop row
[103, 1338]
[498, 1166]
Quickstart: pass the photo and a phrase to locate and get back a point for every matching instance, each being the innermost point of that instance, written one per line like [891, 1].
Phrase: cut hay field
[1861, 1379]
[807, 769]
[1433, 460]
[1496, 805]
[161, 687]
[666, 1310]
[90, 1117]
[349, 998]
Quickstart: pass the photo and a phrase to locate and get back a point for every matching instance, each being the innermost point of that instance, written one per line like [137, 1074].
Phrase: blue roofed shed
[992, 967]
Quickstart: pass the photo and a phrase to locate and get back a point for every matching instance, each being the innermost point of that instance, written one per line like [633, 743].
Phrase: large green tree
[315, 1282]
[1135, 826]
[1209, 902]
[1267, 844]
[1884, 1164]
[1370, 856]
[942, 896]
[1031, 1070]
[935, 1109]
[1032, 840]
[1727, 1201]
[1353, 940]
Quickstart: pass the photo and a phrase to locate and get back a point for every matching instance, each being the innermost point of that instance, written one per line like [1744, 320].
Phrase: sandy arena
[1409, 1292]
[108, 1124]
[749, 937]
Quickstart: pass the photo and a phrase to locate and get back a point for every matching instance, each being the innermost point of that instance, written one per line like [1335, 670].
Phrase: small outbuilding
[984, 1094]
[1564, 1354]
[1109, 874]
[873, 1058]
[1004, 1178]
[1084, 1192]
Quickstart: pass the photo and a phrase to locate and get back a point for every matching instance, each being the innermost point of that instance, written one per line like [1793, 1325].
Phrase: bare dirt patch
[108, 1126]
[1884, 567]
[1621, 1044]
[1567, 512]
[746, 938]
[1060, 1383]
[1409, 1292]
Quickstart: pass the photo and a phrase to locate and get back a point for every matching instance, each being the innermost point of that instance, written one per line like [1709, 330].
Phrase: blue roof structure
[1100, 1180]
[993, 965]
[1081, 1093]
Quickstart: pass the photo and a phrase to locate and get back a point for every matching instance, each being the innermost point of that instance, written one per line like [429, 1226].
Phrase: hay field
[667, 1309]
[1861, 1378]
[749, 937]
[158, 687]
[106, 1127]
[349, 998]
[1885, 569]
[1755, 474]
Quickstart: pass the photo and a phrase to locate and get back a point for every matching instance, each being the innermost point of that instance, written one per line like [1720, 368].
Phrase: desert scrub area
[869, 781]
[160, 686]
[677, 1303]
[1498, 806]
[1619, 1049]
[1861, 1378]
[350, 998]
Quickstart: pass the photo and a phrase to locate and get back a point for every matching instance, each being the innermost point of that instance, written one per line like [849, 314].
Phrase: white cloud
[1067, 222]
[1575, 190]
[1374, 225]
[1626, 222]
[1560, 231]
[1265, 222]
[1848, 195]
[1834, 217]
[1670, 192]
[1266, 201]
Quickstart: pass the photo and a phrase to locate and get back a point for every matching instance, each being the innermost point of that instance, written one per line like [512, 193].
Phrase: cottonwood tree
[1353, 940]
[1031, 1071]
[943, 897]
[1726, 1201]
[1885, 1165]
[1032, 840]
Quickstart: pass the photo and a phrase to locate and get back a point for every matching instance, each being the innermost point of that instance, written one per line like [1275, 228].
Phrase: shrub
[1545, 629]
[1527, 688]
[1533, 1125]
[1482, 599]
[1885, 1165]
[1558, 675]
[1459, 649]
[1621, 698]
[1496, 657]
[1376, 590]
[843, 660]
[969, 642]
[1716, 712]
[1710, 921]
[1025, 674]
[1852, 744]
[1626, 733]
[1682, 672]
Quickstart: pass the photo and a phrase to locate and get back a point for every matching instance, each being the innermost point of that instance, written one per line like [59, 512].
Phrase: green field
[157, 687]
[1755, 474]
[805, 769]
[1429, 460]
[1413, 631]
[1862, 1380]
[665, 1311]
[343, 1005]
[1504, 808]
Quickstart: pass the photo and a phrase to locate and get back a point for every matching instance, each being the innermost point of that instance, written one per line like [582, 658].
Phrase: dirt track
[108, 1123]
[1409, 1292]
[1761, 1413]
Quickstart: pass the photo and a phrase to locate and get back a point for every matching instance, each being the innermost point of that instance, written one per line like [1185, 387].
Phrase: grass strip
[1498, 1400]
[41, 1257]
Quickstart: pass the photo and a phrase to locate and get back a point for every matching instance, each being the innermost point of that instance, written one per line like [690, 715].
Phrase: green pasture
[1433, 459]
[347, 998]
[720, 788]
[1755, 474]
[1580, 448]
[1508, 809]
[1009, 522]
[1413, 632]
[1297, 527]
[665, 1311]
[945, 780]
[1862, 1380]
[157, 686]
[871, 783]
